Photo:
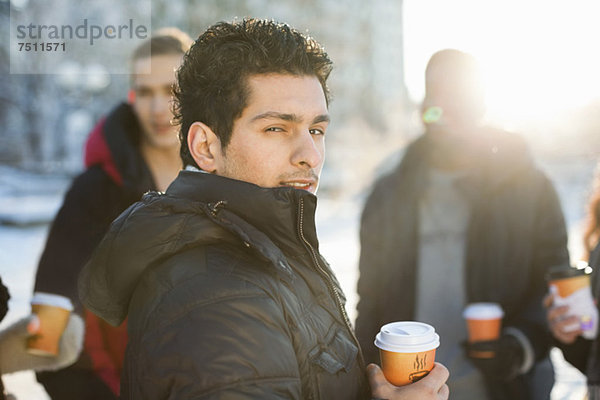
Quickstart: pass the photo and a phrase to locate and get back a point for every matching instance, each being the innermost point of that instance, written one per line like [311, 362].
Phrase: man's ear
[204, 146]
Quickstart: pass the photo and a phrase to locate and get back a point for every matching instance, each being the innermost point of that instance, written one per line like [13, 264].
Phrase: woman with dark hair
[582, 353]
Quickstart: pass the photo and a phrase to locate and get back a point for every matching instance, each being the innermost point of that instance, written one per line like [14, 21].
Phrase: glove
[13, 352]
[498, 360]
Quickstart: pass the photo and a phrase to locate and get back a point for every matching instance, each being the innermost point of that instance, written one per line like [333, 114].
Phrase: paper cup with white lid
[53, 313]
[484, 321]
[407, 351]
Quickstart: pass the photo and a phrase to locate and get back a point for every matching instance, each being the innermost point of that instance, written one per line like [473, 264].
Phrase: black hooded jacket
[227, 296]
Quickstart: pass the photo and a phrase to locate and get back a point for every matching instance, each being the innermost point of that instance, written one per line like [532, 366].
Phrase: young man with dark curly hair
[221, 278]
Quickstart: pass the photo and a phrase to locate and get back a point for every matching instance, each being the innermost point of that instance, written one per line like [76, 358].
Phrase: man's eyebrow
[321, 118]
[289, 117]
[276, 115]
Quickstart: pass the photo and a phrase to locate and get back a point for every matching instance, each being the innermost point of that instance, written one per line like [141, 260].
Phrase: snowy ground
[26, 201]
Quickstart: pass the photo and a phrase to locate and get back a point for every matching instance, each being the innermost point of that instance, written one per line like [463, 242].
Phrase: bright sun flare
[539, 57]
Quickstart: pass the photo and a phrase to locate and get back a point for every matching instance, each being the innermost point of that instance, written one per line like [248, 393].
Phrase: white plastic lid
[51, 299]
[407, 337]
[483, 311]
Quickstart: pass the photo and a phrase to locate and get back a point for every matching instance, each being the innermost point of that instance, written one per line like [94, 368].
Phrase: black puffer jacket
[227, 296]
[516, 232]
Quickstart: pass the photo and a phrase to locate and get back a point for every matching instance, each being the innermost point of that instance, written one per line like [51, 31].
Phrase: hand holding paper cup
[484, 321]
[53, 313]
[571, 287]
[407, 351]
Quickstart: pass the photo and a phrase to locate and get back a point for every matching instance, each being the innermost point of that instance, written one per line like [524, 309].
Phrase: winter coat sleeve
[89, 206]
[232, 343]
[549, 243]
[371, 265]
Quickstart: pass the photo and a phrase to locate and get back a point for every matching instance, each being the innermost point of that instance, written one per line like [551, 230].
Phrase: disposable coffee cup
[571, 287]
[53, 314]
[407, 351]
[484, 321]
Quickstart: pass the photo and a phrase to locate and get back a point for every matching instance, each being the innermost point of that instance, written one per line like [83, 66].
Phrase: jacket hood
[113, 144]
[197, 209]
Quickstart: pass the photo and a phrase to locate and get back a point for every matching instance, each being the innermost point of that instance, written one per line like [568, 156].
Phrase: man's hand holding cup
[431, 387]
[407, 351]
[499, 356]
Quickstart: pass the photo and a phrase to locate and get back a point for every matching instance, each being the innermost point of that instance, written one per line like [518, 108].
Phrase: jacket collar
[502, 157]
[285, 215]
[114, 145]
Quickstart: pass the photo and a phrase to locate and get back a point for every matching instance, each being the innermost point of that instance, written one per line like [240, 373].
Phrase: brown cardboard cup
[407, 351]
[568, 280]
[484, 321]
[53, 314]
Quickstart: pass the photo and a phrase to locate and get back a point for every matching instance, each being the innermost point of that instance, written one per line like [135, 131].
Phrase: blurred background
[540, 61]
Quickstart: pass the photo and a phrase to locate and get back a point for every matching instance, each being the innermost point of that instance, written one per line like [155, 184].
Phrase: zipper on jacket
[329, 282]
[214, 207]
